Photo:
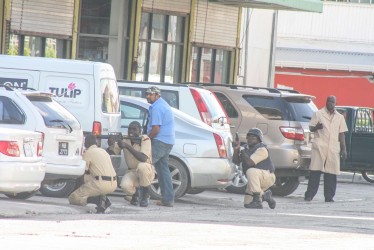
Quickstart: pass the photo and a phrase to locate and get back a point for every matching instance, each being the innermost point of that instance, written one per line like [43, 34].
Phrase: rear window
[10, 113]
[276, 108]
[54, 115]
[212, 103]
[110, 98]
[171, 97]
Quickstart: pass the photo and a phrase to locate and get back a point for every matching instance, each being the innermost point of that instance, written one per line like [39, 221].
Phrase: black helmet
[256, 132]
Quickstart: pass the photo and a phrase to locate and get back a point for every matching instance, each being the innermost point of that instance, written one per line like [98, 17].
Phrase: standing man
[160, 129]
[138, 157]
[99, 179]
[258, 168]
[327, 147]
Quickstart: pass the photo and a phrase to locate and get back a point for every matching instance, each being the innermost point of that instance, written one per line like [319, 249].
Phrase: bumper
[289, 158]
[17, 177]
[57, 171]
[210, 173]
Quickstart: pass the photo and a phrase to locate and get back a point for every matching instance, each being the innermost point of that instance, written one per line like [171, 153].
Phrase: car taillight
[9, 148]
[40, 148]
[293, 133]
[203, 110]
[96, 128]
[220, 146]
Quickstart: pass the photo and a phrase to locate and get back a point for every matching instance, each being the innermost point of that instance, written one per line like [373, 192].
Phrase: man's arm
[137, 154]
[245, 158]
[154, 131]
[343, 148]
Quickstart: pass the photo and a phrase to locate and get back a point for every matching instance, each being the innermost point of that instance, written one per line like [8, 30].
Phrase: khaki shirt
[145, 148]
[325, 144]
[98, 162]
[259, 155]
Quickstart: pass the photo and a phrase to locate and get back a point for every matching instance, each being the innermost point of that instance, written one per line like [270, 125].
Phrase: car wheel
[239, 182]
[179, 178]
[21, 196]
[368, 176]
[58, 189]
[285, 185]
[195, 191]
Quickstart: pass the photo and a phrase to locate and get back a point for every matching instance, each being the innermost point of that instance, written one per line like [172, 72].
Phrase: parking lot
[210, 219]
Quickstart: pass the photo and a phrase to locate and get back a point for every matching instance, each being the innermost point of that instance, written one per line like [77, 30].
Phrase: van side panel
[73, 91]
[19, 78]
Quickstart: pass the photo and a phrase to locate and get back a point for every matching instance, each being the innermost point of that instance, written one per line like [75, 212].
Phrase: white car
[21, 166]
[61, 131]
[199, 159]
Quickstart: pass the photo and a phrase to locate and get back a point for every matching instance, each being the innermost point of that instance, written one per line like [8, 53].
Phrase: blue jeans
[160, 159]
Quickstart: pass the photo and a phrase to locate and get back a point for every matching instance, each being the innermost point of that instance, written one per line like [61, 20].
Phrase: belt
[106, 178]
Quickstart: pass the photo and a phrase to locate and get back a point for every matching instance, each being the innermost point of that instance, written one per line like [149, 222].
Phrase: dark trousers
[329, 186]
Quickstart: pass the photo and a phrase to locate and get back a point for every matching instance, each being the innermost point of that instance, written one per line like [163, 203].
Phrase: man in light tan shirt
[99, 180]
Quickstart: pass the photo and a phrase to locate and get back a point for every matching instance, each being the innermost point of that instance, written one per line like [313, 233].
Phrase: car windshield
[54, 114]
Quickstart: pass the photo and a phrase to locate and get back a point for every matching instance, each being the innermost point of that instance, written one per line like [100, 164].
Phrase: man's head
[254, 136]
[330, 103]
[89, 141]
[152, 94]
[134, 129]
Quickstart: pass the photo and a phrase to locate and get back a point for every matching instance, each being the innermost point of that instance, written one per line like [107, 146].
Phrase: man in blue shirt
[160, 129]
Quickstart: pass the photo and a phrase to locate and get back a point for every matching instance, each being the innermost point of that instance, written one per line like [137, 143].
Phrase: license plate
[63, 148]
[28, 150]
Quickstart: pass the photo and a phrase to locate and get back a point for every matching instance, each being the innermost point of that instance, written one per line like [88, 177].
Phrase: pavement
[39, 205]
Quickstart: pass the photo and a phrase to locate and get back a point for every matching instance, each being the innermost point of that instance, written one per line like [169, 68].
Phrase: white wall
[256, 46]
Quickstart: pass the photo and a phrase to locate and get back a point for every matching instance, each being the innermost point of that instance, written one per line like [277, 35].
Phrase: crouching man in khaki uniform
[136, 183]
[258, 168]
[99, 180]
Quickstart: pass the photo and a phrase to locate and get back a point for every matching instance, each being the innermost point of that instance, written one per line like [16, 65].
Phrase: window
[160, 51]
[269, 107]
[130, 113]
[10, 113]
[110, 97]
[54, 115]
[38, 46]
[210, 65]
[227, 105]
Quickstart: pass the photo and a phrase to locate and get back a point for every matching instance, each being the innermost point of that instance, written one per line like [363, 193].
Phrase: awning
[297, 5]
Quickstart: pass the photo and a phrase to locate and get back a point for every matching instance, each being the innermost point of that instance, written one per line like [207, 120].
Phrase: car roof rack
[152, 83]
[235, 86]
[293, 91]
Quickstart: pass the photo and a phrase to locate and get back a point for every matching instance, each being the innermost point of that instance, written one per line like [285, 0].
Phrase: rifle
[119, 137]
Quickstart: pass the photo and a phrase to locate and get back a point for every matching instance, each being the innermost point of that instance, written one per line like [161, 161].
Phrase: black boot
[255, 203]
[267, 196]
[103, 204]
[94, 200]
[144, 196]
[135, 198]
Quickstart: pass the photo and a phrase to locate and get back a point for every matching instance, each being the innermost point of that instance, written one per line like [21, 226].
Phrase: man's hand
[318, 126]
[343, 154]
[236, 143]
[122, 144]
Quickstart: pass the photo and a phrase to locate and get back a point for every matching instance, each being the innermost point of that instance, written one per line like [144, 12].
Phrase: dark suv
[283, 116]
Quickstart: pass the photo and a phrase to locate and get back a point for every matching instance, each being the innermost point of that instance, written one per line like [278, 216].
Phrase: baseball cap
[152, 90]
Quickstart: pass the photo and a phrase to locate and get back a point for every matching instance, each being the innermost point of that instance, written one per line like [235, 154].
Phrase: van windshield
[54, 115]
[110, 97]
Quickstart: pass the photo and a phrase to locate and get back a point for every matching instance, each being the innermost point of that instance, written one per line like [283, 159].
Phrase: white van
[87, 89]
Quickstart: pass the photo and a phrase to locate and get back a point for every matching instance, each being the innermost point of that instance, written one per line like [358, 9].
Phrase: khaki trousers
[258, 181]
[91, 188]
[143, 176]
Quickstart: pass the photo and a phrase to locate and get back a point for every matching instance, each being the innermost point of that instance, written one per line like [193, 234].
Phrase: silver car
[199, 159]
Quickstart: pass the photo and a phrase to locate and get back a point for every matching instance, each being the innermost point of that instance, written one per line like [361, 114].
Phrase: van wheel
[285, 185]
[239, 182]
[21, 196]
[179, 178]
[58, 189]
[368, 176]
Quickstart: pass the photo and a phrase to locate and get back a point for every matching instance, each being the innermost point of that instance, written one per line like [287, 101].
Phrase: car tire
[368, 176]
[179, 178]
[285, 186]
[58, 189]
[21, 196]
[239, 182]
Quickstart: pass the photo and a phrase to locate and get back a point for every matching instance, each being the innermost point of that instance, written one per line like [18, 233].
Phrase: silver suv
[283, 116]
